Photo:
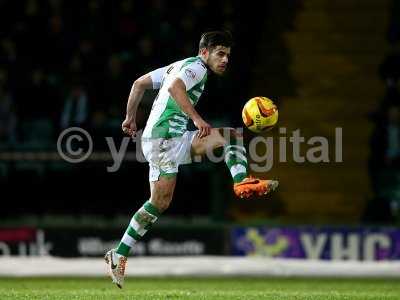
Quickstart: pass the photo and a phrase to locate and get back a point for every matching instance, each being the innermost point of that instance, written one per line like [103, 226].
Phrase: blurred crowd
[65, 63]
[72, 63]
[385, 141]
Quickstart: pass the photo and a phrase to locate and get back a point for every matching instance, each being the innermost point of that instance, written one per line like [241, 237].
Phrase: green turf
[199, 288]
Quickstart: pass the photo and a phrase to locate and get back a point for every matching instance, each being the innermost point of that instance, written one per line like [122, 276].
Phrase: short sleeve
[157, 77]
[192, 74]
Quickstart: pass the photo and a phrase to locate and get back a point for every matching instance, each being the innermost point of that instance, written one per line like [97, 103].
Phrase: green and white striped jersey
[166, 119]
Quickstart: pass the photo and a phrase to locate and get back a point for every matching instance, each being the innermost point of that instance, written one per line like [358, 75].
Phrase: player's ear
[204, 51]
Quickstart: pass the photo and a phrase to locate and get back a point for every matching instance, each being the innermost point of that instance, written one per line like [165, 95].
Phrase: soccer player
[167, 143]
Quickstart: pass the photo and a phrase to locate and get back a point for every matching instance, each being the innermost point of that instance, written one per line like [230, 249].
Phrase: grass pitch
[199, 288]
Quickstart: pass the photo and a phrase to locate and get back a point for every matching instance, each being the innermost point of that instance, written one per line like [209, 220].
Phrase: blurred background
[327, 64]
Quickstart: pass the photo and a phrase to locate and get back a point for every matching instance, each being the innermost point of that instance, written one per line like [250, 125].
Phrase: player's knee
[164, 206]
[229, 133]
[162, 200]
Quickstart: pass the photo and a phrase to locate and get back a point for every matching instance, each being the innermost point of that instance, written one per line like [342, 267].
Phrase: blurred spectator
[385, 165]
[147, 53]
[8, 53]
[127, 26]
[75, 111]
[394, 23]
[34, 99]
[116, 88]
[389, 70]
[392, 155]
[384, 162]
[93, 19]
[58, 40]
[8, 119]
[392, 158]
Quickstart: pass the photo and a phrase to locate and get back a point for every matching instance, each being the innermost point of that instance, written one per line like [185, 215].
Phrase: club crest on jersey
[190, 73]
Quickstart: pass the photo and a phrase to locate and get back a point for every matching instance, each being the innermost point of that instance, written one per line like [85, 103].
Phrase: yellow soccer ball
[260, 114]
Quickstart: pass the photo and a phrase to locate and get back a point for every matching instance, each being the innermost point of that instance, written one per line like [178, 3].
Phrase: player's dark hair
[212, 39]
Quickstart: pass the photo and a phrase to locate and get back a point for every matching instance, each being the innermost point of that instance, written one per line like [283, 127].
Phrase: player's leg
[162, 184]
[161, 196]
[226, 141]
[162, 192]
[230, 141]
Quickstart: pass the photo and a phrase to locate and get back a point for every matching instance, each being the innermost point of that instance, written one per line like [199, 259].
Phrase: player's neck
[204, 62]
[202, 59]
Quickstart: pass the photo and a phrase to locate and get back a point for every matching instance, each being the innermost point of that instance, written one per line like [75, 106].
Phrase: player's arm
[187, 77]
[148, 81]
[177, 91]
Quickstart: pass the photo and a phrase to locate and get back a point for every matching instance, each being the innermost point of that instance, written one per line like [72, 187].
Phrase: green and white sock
[140, 223]
[235, 159]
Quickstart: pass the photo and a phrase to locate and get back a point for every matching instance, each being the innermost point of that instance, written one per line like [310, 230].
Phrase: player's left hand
[203, 127]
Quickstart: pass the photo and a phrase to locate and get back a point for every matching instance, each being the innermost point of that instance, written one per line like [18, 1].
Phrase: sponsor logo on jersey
[190, 73]
[202, 64]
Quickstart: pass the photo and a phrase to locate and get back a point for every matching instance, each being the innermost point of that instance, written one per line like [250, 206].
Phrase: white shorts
[165, 155]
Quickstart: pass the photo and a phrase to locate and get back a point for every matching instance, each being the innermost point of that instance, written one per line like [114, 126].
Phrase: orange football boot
[251, 186]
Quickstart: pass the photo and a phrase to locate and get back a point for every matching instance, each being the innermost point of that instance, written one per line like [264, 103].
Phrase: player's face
[217, 59]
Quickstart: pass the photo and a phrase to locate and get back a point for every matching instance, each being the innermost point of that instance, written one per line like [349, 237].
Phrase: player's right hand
[203, 127]
[129, 127]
